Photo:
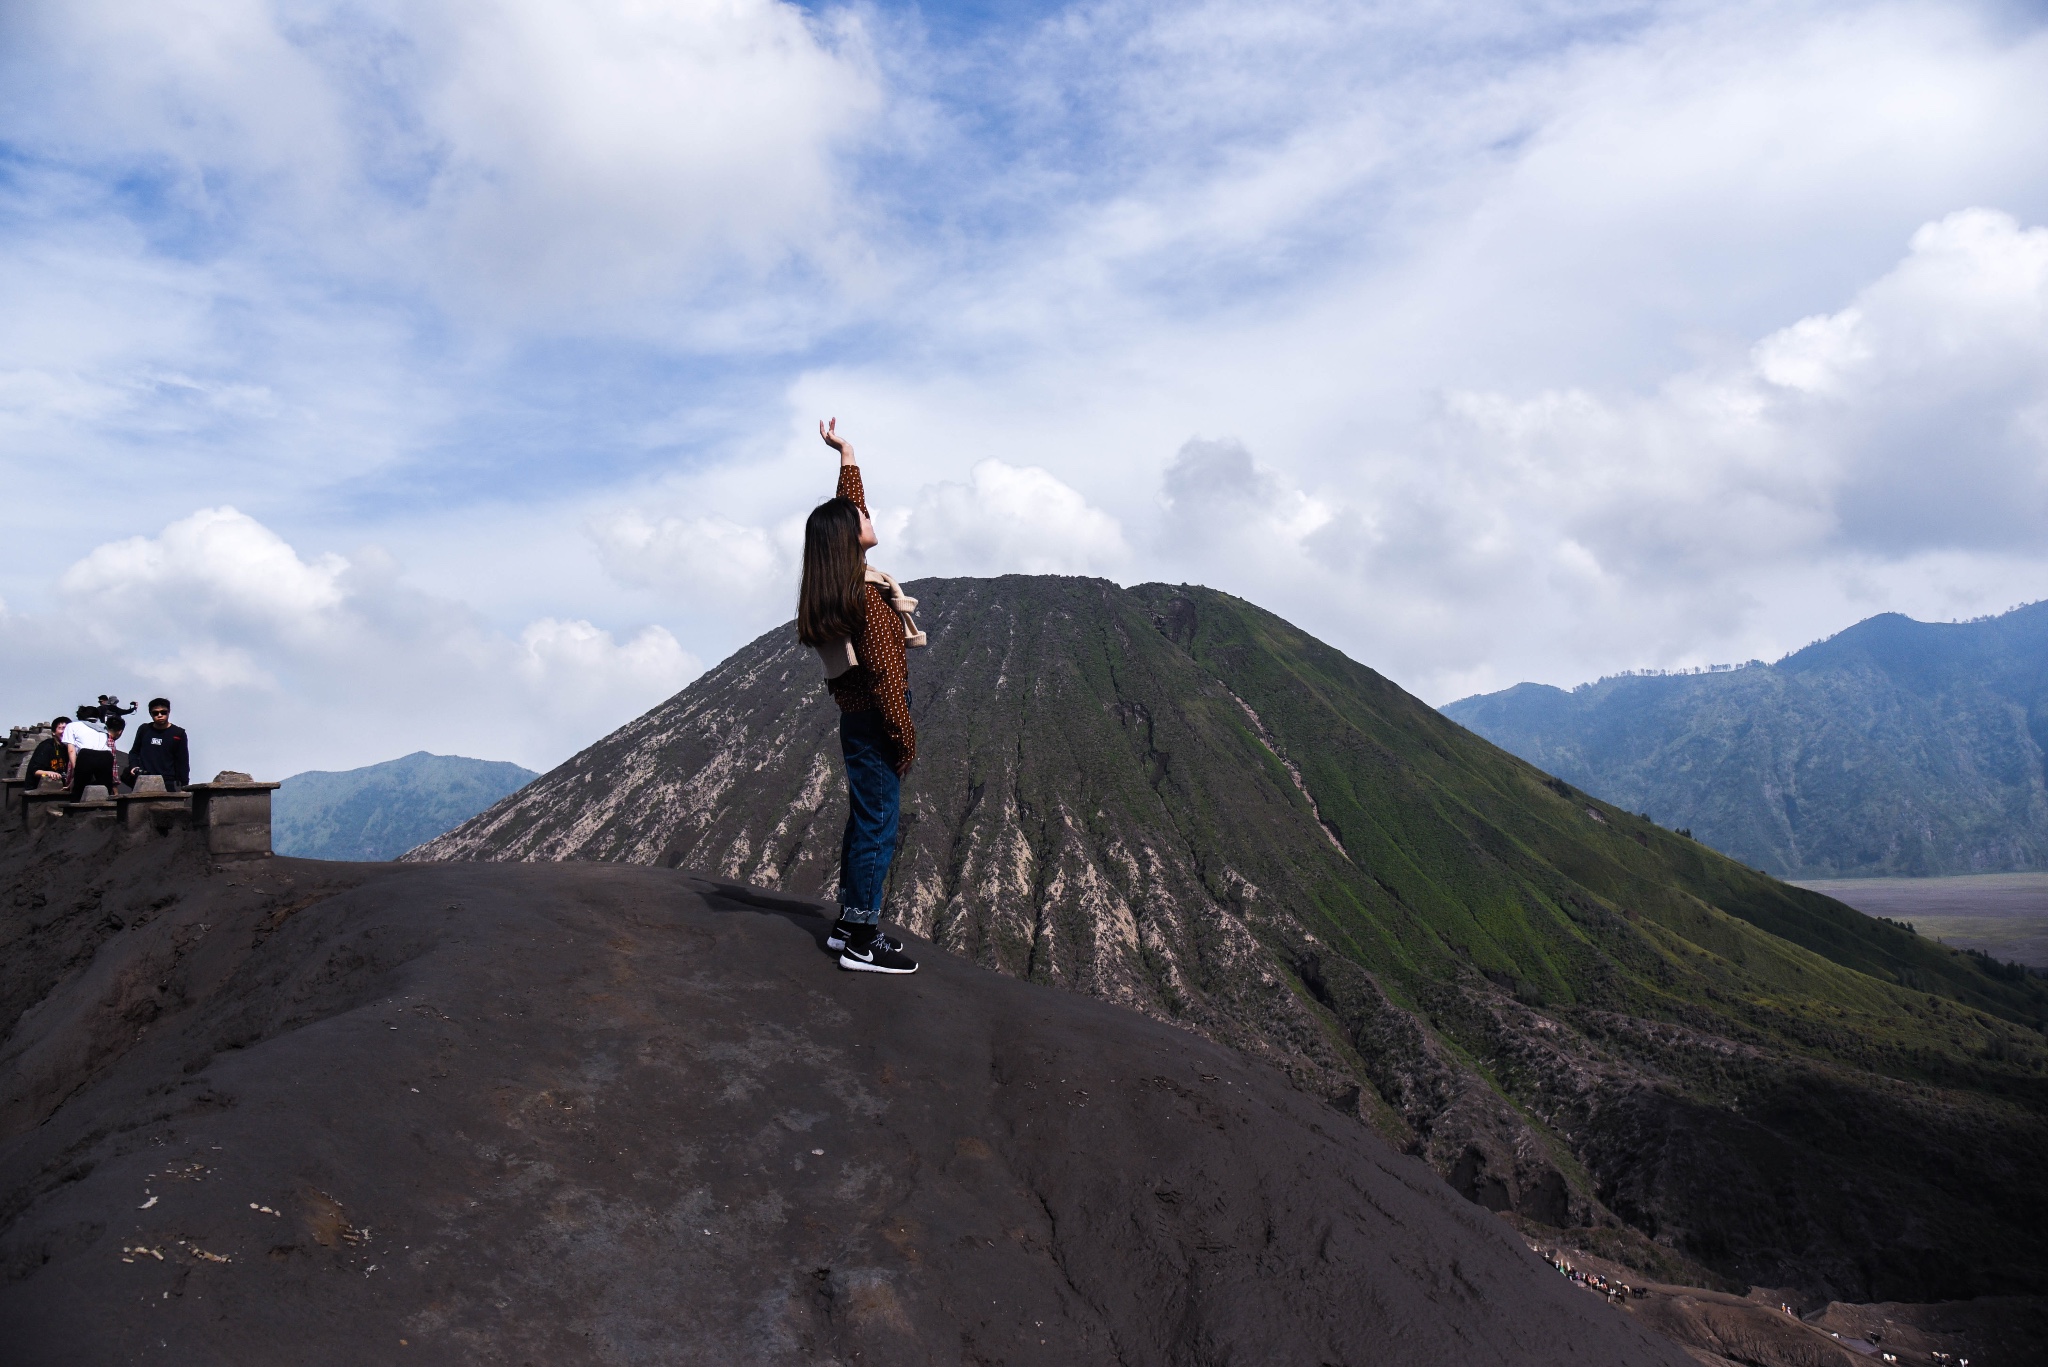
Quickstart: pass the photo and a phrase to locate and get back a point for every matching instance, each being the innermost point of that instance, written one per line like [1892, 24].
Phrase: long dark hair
[830, 605]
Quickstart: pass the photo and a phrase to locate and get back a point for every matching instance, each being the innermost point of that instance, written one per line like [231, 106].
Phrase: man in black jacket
[160, 748]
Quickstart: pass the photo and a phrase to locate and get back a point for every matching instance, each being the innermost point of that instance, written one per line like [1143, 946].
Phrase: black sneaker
[876, 957]
[840, 928]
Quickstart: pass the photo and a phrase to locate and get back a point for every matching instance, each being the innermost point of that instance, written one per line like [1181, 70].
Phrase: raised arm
[850, 486]
[829, 429]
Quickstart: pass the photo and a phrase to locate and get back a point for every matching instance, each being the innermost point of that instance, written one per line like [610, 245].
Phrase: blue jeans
[873, 793]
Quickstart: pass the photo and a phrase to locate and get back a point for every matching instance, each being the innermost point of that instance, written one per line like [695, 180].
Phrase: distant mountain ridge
[382, 810]
[1170, 798]
[1896, 747]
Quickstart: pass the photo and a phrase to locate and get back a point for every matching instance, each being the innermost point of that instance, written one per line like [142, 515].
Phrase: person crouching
[92, 757]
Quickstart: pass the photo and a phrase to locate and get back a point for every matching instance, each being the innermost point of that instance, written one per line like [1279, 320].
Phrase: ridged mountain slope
[1896, 747]
[1171, 799]
[382, 810]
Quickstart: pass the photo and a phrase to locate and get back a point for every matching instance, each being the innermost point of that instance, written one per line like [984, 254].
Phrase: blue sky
[441, 375]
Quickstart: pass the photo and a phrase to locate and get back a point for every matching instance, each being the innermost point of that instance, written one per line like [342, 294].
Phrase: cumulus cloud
[278, 661]
[1215, 491]
[1007, 519]
[217, 569]
[714, 556]
[1889, 453]
[1899, 423]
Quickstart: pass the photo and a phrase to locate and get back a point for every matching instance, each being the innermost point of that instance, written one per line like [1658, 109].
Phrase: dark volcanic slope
[476, 1113]
[1171, 799]
[1895, 747]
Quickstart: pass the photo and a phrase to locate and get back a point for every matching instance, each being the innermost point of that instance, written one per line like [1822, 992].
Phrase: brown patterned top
[883, 678]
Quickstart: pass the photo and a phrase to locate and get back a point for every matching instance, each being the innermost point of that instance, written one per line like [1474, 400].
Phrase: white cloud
[586, 672]
[1009, 520]
[1003, 519]
[708, 555]
[1513, 341]
[1812, 354]
[524, 160]
[1215, 492]
[290, 257]
[217, 567]
[595, 151]
[207, 667]
[278, 662]
[1888, 453]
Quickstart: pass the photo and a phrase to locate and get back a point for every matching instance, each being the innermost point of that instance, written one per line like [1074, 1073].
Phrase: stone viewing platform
[233, 810]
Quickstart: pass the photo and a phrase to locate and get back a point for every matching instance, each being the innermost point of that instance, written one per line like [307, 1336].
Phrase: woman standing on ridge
[859, 622]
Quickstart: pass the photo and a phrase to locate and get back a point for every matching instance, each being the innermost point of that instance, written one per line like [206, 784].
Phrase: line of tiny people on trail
[86, 751]
[1618, 1291]
[1613, 1290]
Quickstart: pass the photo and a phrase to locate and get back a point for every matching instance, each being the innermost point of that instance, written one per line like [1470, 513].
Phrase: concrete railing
[233, 810]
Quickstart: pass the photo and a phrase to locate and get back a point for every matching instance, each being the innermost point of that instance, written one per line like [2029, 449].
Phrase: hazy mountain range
[1895, 747]
[382, 810]
[1169, 798]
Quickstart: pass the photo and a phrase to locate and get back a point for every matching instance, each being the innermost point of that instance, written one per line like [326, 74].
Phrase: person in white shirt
[92, 757]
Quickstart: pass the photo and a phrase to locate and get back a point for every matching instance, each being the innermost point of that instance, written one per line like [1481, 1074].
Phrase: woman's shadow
[812, 918]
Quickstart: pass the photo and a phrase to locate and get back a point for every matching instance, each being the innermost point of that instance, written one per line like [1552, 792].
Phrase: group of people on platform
[88, 749]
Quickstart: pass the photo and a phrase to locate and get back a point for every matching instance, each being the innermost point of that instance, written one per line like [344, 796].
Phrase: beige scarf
[840, 656]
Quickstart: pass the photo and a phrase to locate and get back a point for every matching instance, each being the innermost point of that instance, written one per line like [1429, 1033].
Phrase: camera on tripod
[105, 710]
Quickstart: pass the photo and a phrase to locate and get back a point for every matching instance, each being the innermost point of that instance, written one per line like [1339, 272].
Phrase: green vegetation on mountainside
[1895, 747]
[382, 810]
[1851, 1053]
[1678, 931]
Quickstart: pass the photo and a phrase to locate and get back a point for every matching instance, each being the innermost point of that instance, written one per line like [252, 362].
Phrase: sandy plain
[2003, 914]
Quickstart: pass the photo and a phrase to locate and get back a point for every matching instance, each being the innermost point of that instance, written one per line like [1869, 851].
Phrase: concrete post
[95, 805]
[234, 811]
[152, 803]
[42, 805]
[21, 743]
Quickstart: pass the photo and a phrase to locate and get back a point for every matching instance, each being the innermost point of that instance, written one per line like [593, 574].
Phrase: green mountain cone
[1172, 799]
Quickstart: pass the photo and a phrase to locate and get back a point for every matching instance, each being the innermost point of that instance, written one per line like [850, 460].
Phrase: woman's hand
[829, 430]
